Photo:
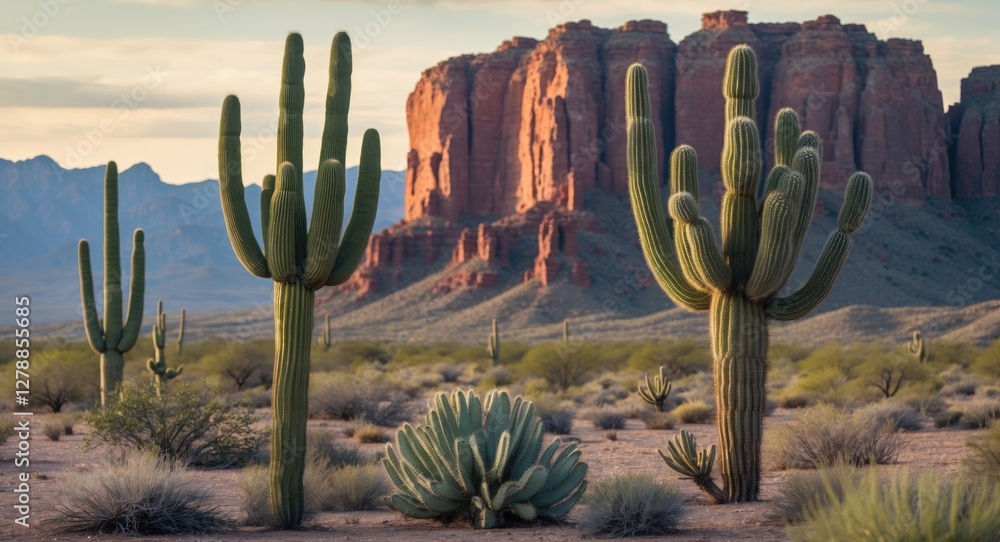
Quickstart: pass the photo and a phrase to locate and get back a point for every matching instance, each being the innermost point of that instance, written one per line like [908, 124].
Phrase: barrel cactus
[739, 282]
[483, 460]
[111, 338]
[158, 363]
[299, 260]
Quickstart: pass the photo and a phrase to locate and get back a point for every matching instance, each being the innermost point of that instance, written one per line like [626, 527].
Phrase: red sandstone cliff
[975, 139]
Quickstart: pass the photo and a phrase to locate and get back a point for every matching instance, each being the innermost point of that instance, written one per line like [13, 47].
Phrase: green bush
[948, 418]
[984, 459]
[678, 359]
[631, 504]
[902, 508]
[52, 428]
[987, 362]
[141, 495]
[562, 366]
[556, 418]
[696, 411]
[241, 363]
[195, 427]
[605, 417]
[825, 435]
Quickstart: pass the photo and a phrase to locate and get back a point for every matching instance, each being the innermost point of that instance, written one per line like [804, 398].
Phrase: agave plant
[482, 459]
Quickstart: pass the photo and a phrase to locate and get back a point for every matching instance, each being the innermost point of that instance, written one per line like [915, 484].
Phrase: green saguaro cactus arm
[644, 192]
[112, 337]
[493, 344]
[738, 281]
[300, 258]
[158, 363]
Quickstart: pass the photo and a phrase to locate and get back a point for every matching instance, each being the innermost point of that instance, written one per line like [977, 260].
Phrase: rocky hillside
[516, 185]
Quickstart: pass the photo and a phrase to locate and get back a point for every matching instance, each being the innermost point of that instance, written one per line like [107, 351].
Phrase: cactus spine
[158, 364]
[738, 283]
[655, 390]
[299, 260]
[111, 337]
[493, 344]
[917, 348]
[324, 337]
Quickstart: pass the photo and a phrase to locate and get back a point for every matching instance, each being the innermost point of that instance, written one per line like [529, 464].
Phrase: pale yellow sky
[143, 80]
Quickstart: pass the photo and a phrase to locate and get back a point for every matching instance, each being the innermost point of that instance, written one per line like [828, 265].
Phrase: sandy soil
[52, 463]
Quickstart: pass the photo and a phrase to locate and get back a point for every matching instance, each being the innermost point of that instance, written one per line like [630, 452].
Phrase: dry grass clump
[139, 496]
[631, 504]
[695, 411]
[826, 435]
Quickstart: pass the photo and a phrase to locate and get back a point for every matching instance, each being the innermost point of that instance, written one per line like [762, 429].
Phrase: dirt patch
[52, 463]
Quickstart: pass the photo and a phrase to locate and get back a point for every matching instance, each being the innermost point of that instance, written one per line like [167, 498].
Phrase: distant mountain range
[46, 210]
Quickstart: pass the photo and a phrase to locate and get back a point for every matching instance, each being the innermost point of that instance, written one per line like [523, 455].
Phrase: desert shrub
[185, 424]
[947, 418]
[605, 417]
[341, 396]
[631, 504]
[142, 495]
[6, 428]
[965, 387]
[794, 400]
[562, 366]
[927, 404]
[450, 372]
[556, 418]
[258, 397]
[255, 503]
[696, 411]
[990, 391]
[611, 434]
[826, 435]
[52, 428]
[367, 433]
[496, 377]
[610, 395]
[680, 358]
[68, 421]
[242, 363]
[979, 413]
[324, 443]
[659, 420]
[904, 508]
[832, 373]
[987, 363]
[802, 491]
[354, 487]
[984, 459]
[59, 378]
[899, 417]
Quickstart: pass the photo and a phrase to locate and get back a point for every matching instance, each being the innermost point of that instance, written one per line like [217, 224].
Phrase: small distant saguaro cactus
[324, 336]
[158, 364]
[180, 332]
[493, 344]
[111, 338]
[917, 348]
[566, 331]
[655, 390]
[739, 282]
[298, 258]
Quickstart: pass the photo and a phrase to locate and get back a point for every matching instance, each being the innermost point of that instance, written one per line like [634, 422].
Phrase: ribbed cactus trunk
[300, 258]
[737, 282]
[293, 324]
[739, 350]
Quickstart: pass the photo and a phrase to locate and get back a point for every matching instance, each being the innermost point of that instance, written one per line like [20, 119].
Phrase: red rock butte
[527, 130]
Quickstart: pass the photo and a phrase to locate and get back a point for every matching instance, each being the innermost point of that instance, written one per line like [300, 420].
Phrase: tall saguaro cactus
[739, 282]
[158, 363]
[324, 336]
[299, 260]
[112, 337]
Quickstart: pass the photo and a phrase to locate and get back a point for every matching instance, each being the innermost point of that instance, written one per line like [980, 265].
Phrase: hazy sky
[87, 81]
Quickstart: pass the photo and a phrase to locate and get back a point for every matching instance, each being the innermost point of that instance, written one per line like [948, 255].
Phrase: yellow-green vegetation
[631, 504]
[983, 460]
[902, 506]
[826, 435]
[696, 411]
